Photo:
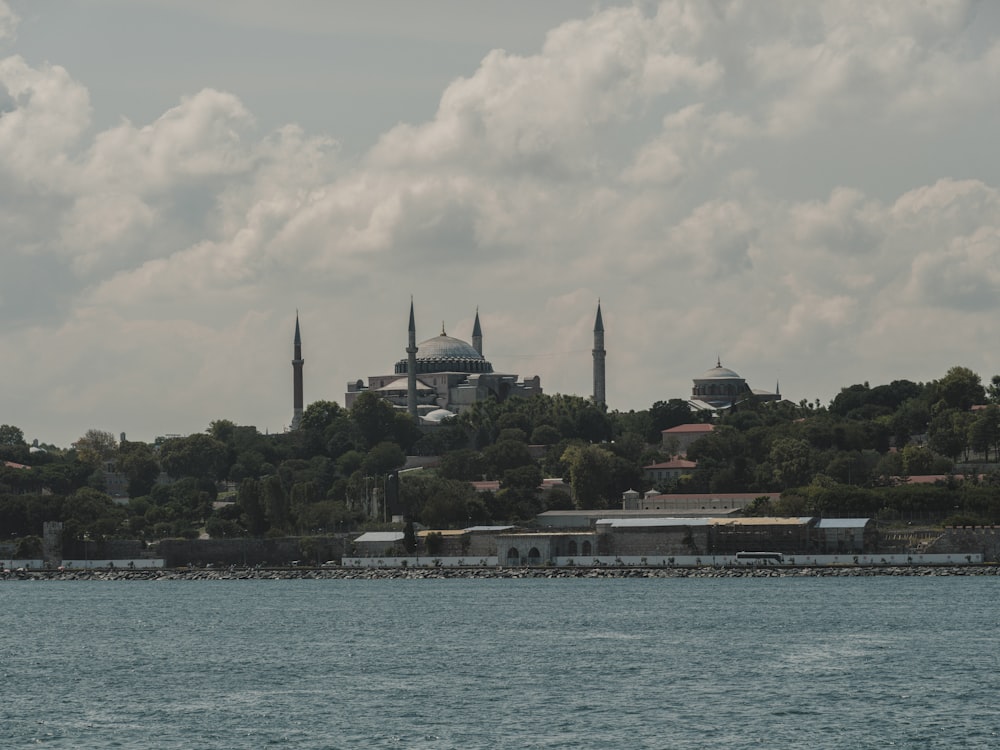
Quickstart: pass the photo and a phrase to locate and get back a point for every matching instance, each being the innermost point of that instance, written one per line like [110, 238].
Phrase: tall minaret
[297, 363]
[477, 335]
[411, 367]
[599, 355]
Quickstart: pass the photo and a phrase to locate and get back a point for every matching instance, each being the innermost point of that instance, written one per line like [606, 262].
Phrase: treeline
[339, 470]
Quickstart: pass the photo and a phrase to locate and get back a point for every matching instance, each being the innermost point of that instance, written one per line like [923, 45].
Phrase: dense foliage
[339, 471]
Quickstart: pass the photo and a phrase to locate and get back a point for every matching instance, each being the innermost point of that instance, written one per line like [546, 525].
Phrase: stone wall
[984, 540]
[277, 551]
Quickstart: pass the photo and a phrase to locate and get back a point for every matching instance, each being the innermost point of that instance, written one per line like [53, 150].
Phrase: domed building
[443, 376]
[722, 388]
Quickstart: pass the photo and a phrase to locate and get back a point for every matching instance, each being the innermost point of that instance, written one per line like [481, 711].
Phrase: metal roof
[380, 536]
[641, 523]
[842, 523]
[489, 528]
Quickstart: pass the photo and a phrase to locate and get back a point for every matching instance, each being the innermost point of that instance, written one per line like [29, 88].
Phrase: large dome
[444, 353]
[719, 373]
[446, 347]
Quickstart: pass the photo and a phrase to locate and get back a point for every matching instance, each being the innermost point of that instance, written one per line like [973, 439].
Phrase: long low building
[650, 536]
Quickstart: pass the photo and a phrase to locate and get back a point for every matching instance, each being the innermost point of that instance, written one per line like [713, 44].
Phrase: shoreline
[350, 574]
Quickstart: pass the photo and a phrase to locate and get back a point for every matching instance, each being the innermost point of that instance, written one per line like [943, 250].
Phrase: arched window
[586, 548]
[572, 547]
[534, 556]
[513, 556]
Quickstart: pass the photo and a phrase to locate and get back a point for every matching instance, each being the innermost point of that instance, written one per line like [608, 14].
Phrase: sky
[809, 192]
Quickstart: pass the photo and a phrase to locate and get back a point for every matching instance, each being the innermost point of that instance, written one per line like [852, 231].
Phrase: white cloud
[700, 167]
[8, 21]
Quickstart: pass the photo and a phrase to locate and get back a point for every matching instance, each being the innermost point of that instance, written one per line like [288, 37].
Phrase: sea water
[458, 663]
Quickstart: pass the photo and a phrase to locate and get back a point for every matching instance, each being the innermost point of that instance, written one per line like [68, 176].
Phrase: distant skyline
[808, 191]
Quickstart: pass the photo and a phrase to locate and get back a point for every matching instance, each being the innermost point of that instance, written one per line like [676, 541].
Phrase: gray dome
[446, 347]
[719, 373]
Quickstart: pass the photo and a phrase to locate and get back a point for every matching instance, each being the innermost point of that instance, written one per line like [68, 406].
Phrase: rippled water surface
[567, 663]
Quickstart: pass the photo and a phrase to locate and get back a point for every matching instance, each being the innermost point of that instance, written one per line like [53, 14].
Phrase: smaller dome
[438, 415]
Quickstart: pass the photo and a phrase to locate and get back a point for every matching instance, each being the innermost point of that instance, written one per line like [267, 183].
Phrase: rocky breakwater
[258, 574]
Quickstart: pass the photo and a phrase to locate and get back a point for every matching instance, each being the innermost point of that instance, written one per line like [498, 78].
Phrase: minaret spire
[477, 335]
[297, 363]
[599, 356]
[411, 366]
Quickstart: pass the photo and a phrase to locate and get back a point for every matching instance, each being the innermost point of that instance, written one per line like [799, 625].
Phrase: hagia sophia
[443, 376]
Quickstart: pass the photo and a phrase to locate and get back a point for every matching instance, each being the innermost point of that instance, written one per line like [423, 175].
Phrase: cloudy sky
[810, 191]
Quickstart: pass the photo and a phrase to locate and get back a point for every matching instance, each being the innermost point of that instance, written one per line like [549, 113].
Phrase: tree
[251, 503]
[984, 431]
[667, 414]
[409, 538]
[464, 464]
[275, 503]
[790, 458]
[948, 432]
[374, 417]
[589, 471]
[959, 389]
[505, 455]
[917, 460]
[197, 455]
[95, 447]
[993, 390]
[12, 445]
[138, 463]
[11, 435]
[383, 459]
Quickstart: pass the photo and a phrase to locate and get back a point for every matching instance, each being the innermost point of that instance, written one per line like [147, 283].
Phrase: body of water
[566, 663]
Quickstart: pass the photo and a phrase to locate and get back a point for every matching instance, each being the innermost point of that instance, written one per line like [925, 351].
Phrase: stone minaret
[477, 335]
[411, 367]
[297, 363]
[599, 355]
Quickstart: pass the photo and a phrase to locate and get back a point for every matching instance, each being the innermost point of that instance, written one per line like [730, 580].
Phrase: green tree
[790, 459]
[917, 460]
[375, 418]
[505, 455]
[948, 432]
[276, 505]
[198, 455]
[139, 465]
[464, 464]
[589, 472]
[252, 505]
[95, 447]
[984, 431]
[383, 458]
[960, 388]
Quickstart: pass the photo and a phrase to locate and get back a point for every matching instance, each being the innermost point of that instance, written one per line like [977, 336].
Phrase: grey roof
[842, 523]
[489, 528]
[639, 523]
[380, 536]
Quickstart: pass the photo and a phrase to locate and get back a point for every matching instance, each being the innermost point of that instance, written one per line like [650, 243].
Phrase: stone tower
[411, 367]
[599, 355]
[297, 363]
